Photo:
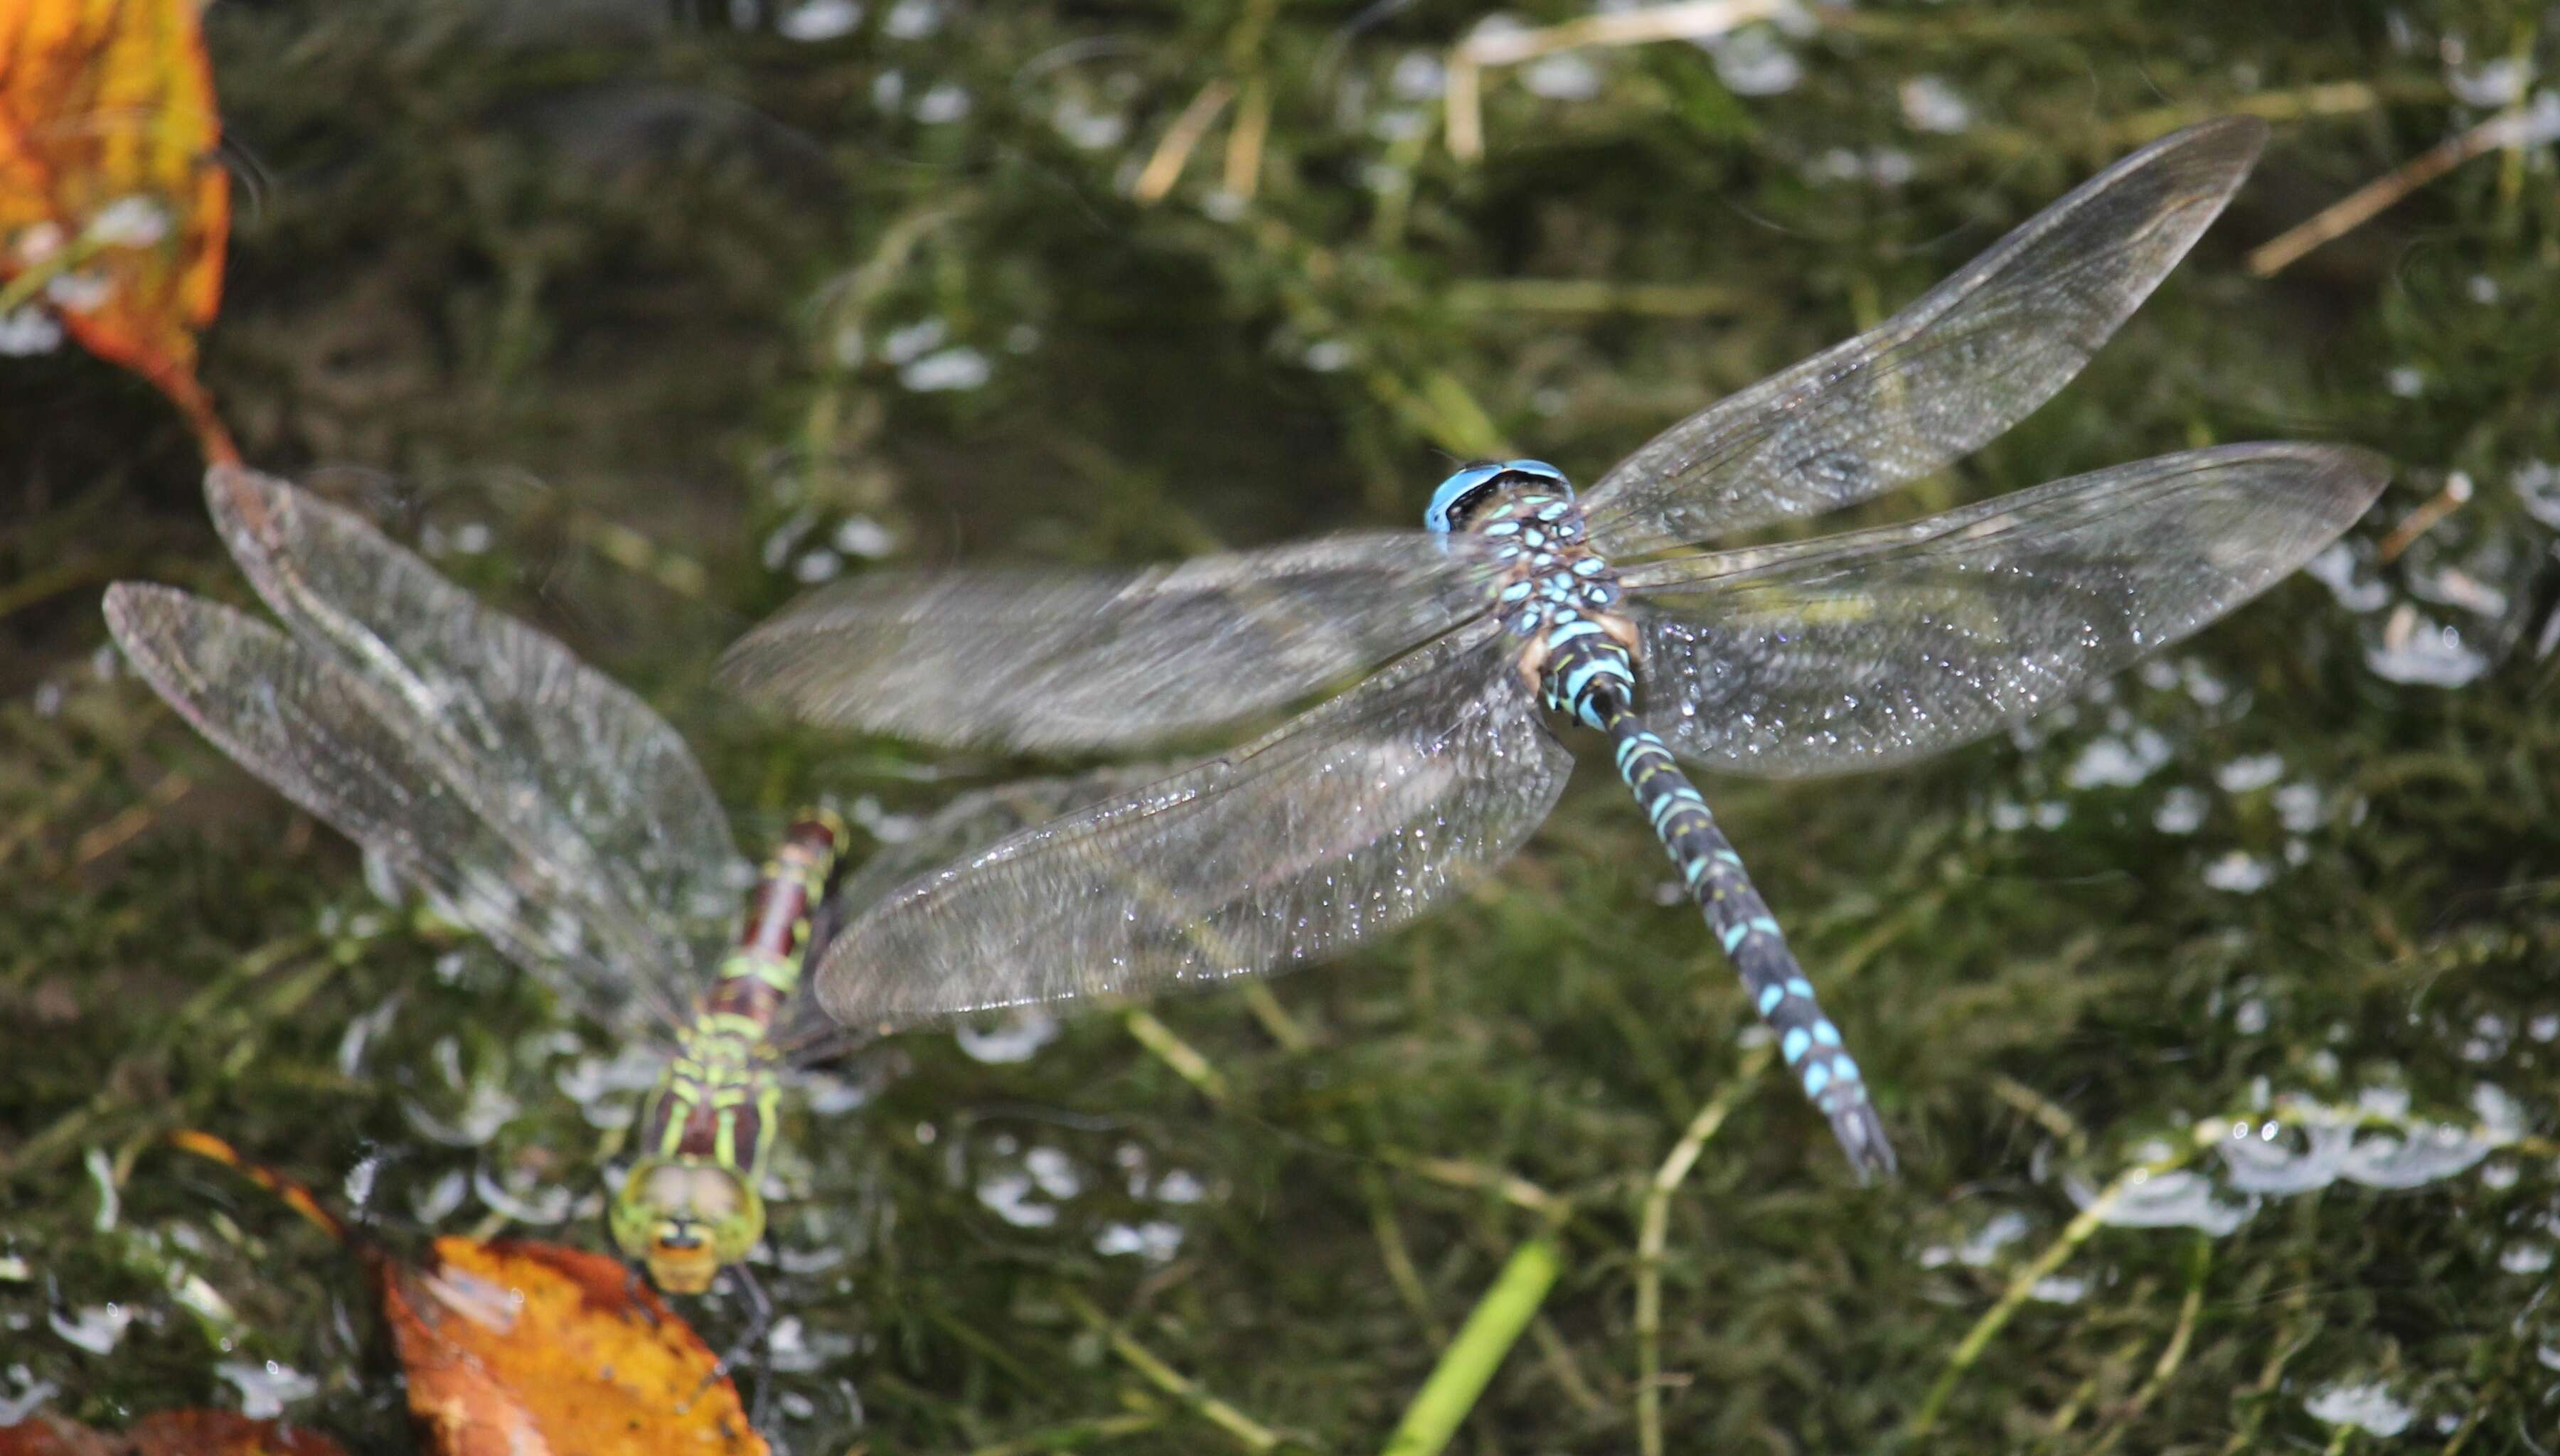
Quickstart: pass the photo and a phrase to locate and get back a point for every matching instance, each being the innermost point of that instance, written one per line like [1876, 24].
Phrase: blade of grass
[1468, 1365]
[1656, 1236]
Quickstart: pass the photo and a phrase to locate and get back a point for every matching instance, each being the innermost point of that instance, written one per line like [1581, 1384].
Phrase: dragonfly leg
[749, 1349]
[1750, 936]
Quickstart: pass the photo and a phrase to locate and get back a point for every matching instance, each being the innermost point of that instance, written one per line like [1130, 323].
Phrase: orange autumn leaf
[114, 207]
[517, 1348]
[166, 1434]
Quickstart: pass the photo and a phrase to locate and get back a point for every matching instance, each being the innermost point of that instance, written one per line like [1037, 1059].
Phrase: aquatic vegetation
[598, 306]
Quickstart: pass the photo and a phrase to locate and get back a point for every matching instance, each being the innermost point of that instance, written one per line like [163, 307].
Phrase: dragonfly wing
[565, 763]
[1341, 825]
[1875, 647]
[1065, 660]
[330, 741]
[961, 828]
[1960, 365]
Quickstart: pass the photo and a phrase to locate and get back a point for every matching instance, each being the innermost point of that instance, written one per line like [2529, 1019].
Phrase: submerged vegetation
[2213, 1017]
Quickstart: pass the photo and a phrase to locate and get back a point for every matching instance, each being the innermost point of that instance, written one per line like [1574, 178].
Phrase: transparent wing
[1970, 358]
[1346, 822]
[328, 741]
[960, 829]
[566, 765]
[1055, 660]
[1874, 647]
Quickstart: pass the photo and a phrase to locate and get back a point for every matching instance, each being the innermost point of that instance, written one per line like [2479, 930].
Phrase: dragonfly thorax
[1556, 596]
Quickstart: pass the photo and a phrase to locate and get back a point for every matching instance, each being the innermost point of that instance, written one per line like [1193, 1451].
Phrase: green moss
[638, 299]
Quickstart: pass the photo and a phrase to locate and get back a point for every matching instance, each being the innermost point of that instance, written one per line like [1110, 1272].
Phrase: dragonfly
[543, 805]
[1520, 599]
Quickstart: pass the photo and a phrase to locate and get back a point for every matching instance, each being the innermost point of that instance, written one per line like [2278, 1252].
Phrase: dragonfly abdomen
[1747, 933]
[763, 971]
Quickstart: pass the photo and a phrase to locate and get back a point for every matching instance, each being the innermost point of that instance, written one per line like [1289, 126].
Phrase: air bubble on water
[541, 1204]
[130, 221]
[2118, 763]
[1009, 1193]
[945, 103]
[31, 1396]
[1326, 355]
[2537, 487]
[29, 330]
[2181, 811]
[486, 1108]
[1085, 127]
[2301, 807]
[2355, 588]
[1752, 61]
[1997, 1233]
[2250, 773]
[79, 292]
[957, 368]
[2202, 687]
[37, 242]
[1418, 75]
[2425, 1153]
[1055, 1172]
[910, 20]
[2383, 1099]
[1400, 123]
[101, 1171]
[820, 20]
[2415, 649]
[438, 1201]
[1565, 77]
[1154, 1240]
[2493, 84]
[97, 1329]
[795, 1347]
[1020, 1034]
[2297, 1161]
[1932, 103]
[2367, 1407]
[779, 542]
[266, 1386]
[2059, 1289]
[599, 1083]
[809, 1258]
[915, 340]
[2175, 1199]
[2236, 871]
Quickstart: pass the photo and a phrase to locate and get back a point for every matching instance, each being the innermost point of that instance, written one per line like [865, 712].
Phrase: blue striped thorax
[1556, 592]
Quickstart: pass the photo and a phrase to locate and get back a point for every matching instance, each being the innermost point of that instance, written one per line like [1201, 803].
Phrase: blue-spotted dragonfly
[1846, 652]
[545, 806]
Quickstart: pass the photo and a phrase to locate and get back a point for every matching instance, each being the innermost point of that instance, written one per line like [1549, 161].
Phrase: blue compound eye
[1461, 491]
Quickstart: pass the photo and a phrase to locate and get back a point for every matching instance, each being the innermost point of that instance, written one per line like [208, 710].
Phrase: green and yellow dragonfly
[545, 806]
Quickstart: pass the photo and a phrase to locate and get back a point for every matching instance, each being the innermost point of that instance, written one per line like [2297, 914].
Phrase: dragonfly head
[1473, 485]
[684, 1218]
